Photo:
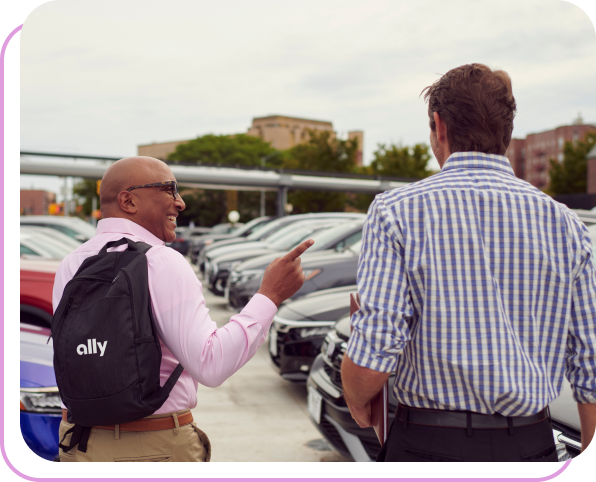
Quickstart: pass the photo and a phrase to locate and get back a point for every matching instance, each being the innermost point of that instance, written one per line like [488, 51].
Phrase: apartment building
[283, 132]
[530, 157]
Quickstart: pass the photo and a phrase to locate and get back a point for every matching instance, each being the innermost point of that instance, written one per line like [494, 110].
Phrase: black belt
[460, 419]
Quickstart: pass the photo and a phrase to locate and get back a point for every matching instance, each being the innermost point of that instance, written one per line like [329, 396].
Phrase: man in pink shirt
[187, 334]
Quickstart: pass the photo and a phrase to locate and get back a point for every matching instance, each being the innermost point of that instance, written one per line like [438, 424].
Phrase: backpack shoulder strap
[132, 245]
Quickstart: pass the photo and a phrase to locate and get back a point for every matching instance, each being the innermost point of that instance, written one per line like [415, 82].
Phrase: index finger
[298, 250]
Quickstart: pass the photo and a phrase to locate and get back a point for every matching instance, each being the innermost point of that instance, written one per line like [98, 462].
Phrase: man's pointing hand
[284, 276]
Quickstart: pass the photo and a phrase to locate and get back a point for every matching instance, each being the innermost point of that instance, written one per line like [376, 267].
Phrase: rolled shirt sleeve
[379, 329]
[208, 353]
[581, 340]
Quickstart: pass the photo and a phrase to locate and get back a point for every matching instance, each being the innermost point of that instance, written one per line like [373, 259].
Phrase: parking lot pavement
[256, 416]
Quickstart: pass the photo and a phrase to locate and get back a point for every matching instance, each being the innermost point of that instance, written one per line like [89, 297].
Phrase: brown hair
[477, 106]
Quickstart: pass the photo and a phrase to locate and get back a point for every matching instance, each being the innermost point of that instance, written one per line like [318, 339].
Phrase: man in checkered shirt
[477, 290]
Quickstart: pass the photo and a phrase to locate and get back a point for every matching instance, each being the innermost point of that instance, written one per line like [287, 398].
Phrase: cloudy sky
[101, 77]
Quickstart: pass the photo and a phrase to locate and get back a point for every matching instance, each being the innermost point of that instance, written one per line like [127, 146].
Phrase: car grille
[334, 376]
[333, 436]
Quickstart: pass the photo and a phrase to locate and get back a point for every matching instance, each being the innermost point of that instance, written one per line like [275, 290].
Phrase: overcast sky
[101, 77]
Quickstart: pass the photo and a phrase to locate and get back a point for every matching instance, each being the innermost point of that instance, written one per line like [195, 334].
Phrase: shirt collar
[126, 226]
[477, 160]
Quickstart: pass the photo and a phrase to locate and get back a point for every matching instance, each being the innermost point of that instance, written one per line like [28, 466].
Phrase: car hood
[223, 250]
[328, 259]
[342, 327]
[37, 367]
[261, 262]
[224, 242]
[240, 255]
[325, 305]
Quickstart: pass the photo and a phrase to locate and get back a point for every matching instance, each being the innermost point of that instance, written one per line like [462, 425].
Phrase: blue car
[40, 402]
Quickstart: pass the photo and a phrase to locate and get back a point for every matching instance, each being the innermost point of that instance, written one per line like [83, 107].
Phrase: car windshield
[263, 232]
[355, 247]
[293, 235]
[220, 229]
[335, 233]
[251, 226]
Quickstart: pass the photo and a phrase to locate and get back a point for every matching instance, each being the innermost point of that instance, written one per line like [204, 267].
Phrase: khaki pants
[185, 444]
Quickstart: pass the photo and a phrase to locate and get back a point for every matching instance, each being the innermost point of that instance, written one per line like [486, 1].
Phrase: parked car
[181, 242]
[332, 240]
[199, 242]
[40, 411]
[217, 269]
[299, 328]
[34, 244]
[40, 401]
[71, 226]
[37, 282]
[322, 270]
[270, 229]
[61, 238]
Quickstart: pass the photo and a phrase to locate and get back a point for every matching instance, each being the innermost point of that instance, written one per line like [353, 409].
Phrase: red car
[37, 282]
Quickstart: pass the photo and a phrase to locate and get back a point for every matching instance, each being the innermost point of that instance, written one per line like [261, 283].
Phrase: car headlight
[251, 274]
[229, 265]
[311, 273]
[316, 331]
[41, 400]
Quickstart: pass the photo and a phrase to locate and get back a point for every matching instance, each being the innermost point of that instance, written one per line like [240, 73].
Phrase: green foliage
[571, 175]
[237, 150]
[86, 190]
[401, 161]
[322, 152]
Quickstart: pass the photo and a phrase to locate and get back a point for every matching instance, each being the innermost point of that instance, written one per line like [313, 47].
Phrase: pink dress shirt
[187, 334]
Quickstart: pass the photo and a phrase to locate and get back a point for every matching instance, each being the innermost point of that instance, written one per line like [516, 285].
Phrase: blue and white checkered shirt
[478, 290]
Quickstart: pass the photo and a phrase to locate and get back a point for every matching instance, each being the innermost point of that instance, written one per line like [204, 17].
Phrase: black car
[268, 231]
[299, 327]
[218, 269]
[327, 242]
[322, 270]
[218, 234]
[180, 244]
[326, 404]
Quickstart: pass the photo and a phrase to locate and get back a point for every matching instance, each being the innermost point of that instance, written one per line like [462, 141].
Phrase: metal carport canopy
[224, 177]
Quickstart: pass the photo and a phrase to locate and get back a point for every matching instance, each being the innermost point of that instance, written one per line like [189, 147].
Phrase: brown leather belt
[147, 424]
[460, 419]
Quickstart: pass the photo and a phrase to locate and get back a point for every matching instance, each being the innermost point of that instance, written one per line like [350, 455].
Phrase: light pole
[263, 160]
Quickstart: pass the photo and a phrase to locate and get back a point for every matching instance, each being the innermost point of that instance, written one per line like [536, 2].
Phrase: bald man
[140, 200]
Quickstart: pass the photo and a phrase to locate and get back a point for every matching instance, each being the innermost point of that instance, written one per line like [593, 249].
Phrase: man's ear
[440, 128]
[127, 202]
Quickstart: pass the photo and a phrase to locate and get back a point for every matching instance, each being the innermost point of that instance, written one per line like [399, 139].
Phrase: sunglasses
[171, 184]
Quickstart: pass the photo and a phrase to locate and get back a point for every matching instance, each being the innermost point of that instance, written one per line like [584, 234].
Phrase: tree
[322, 152]
[86, 190]
[401, 161]
[236, 150]
[209, 207]
[570, 176]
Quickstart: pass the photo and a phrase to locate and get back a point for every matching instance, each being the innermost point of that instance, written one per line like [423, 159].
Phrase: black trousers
[408, 442]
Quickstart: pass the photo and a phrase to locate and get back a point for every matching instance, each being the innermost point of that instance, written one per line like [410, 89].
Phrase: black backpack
[106, 350]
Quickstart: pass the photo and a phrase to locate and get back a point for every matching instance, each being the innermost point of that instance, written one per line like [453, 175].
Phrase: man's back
[483, 272]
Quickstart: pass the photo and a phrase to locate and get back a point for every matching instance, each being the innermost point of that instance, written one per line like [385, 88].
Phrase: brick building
[530, 157]
[283, 132]
[592, 171]
[36, 202]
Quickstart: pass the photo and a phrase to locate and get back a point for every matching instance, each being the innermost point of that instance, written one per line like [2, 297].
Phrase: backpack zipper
[68, 303]
[134, 316]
